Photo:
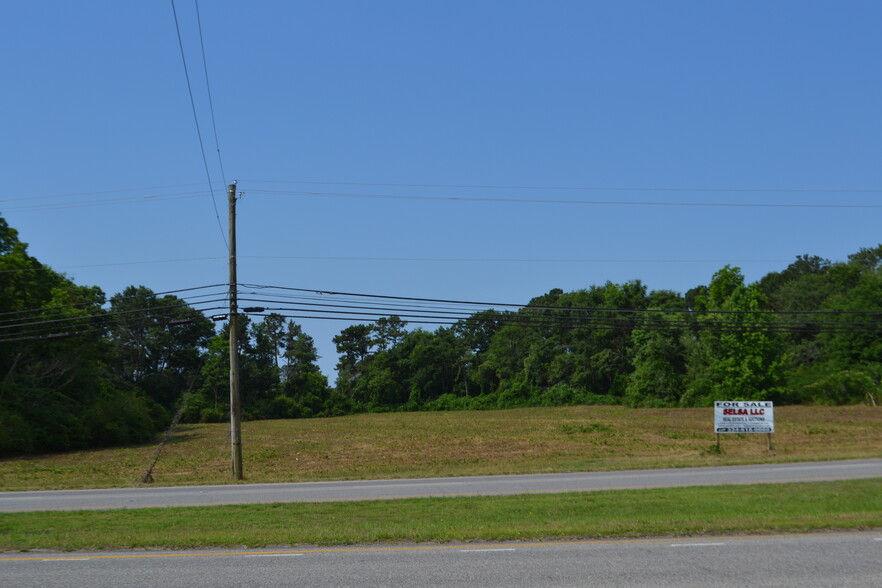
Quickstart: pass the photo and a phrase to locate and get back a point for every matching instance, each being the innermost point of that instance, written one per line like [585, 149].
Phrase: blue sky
[622, 108]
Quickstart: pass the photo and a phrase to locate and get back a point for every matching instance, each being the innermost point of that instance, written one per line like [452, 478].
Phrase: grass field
[401, 445]
[456, 444]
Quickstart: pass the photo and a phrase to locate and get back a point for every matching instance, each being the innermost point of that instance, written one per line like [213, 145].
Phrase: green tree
[157, 343]
[867, 259]
[658, 353]
[305, 390]
[211, 402]
[735, 353]
[52, 352]
[659, 368]
[256, 377]
[434, 365]
[354, 345]
[389, 331]
[269, 338]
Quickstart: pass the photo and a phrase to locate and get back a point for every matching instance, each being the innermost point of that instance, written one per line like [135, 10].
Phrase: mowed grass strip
[798, 507]
[409, 445]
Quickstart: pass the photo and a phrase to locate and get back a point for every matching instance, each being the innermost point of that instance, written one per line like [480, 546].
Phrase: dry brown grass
[584, 438]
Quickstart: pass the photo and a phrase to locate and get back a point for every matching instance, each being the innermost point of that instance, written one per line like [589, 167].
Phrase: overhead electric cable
[106, 314]
[106, 201]
[191, 289]
[557, 308]
[94, 313]
[103, 323]
[583, 188]
[716, 327]
[549, 201]
[443, 314]
[360, 302]
[563, 320]
[561, 314]
[196, 121]
[505, 259]
[50, 336]
[208, 90]
[70, 267]
[329, 292]
[99, 192]
[147, 262]
[118, 298]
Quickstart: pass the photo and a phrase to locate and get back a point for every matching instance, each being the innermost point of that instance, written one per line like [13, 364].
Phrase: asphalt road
[146, 497]
[806, 561]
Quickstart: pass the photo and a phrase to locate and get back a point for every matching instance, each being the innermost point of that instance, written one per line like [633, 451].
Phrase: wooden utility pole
[235, 410]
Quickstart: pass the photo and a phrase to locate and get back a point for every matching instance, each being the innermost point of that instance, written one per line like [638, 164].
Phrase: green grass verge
[800, 507]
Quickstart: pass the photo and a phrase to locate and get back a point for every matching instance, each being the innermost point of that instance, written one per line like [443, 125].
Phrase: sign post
[739, 416]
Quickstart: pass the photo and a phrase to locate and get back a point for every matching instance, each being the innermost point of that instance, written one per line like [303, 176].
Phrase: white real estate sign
[744, 417]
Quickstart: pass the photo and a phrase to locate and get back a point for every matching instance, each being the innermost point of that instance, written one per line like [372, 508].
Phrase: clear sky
[469, 123]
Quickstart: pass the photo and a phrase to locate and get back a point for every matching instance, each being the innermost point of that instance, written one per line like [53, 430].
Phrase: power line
[98, 192]
[106, 201]
[208, 90]
[557, 308]
[427, 198]
[587, 188]
[367, 303]
[400, 260]
[565, 319]
[117, 264]
[106, 317]
[312, 304]
[148, 262]
[370, 308]
[42, 318]
[196, 121]
[51, 336]
[377, 296]
[116, 298]
[457, 186]
[104, 322]
[51, 318]
[517, 320]
[503, 259]
[156, 197]
[392, 304]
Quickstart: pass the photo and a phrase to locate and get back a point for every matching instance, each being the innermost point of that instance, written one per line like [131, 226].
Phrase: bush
[513, 394]
[566, 395]
[120, 418]
[194, 404]
[15, 435]
[213, 414]
[844, 387]
[453, 402]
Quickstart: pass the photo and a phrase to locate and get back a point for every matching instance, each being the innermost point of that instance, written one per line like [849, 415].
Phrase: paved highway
[806, 561]
[145, 497]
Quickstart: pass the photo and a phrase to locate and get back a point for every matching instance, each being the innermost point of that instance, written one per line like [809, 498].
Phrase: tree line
[80, 370]
[808, 334]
